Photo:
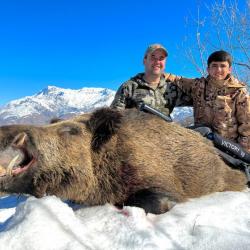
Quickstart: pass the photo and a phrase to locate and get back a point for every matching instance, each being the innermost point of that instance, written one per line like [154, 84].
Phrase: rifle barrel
[145, 107]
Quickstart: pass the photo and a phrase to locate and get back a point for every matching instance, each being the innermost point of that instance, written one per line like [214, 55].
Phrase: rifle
[147, 108]
[231, 152]
[226, 145]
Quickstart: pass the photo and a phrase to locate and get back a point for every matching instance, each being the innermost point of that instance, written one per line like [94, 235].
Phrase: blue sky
[75, 44]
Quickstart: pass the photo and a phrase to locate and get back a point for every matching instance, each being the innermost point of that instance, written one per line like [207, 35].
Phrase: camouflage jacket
[163, 98]
[222, 105]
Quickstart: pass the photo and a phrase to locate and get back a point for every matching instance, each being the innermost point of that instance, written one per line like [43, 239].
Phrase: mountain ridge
[53, 102]
[62, 103]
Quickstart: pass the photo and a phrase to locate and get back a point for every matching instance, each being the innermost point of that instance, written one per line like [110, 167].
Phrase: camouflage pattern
[163, 98]
[222, 105]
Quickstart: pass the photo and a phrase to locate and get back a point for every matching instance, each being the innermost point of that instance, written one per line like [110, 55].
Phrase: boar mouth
[25, 164]
[20, 158]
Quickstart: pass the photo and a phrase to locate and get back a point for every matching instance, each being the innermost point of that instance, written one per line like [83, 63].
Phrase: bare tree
[227, 27]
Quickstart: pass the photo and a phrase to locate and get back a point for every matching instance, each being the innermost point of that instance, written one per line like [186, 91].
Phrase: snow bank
[218, 221]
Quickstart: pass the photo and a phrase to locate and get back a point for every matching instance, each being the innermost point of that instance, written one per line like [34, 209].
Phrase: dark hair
[220, 56]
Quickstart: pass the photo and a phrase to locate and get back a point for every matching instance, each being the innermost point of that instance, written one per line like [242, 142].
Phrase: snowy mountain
[183, 115]
[57, 102]
[54, 102]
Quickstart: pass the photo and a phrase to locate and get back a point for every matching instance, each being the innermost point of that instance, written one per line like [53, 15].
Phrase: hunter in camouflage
[220, 101]
[163, 98]
[152, 87]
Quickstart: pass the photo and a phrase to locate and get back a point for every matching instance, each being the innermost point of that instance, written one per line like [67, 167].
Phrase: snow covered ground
[218, 221]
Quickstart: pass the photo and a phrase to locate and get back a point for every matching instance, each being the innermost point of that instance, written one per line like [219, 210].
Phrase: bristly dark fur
[103, 124]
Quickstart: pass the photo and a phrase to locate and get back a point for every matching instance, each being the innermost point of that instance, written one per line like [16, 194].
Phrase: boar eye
[69, 130]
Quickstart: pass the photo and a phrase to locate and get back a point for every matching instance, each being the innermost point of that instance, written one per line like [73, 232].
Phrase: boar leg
[153, 201]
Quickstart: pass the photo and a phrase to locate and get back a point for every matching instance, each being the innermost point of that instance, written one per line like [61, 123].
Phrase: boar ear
[103, 123]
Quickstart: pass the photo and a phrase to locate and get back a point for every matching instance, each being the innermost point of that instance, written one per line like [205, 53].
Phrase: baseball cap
[151, 48]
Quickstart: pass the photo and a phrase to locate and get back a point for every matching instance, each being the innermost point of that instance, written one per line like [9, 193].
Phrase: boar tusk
[11, 165]
[20, 139]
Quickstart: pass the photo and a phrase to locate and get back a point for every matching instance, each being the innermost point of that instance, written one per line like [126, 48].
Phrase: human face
[219, 70]
[155, 62]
